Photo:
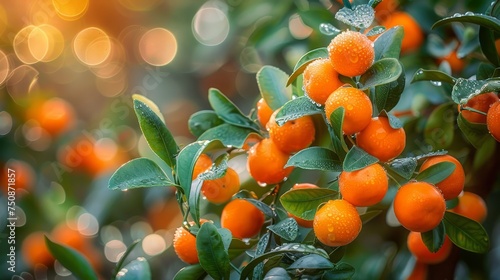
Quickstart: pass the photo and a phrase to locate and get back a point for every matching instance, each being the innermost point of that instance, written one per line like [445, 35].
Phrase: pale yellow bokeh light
[22, 46]
[105, 149]
[38, 43]
[210, 26]
[92, 46]
[70, 9]
[21, 82]
[153, 244]
[55, 42]
[297, 27]
[4, 67]
[158, 46]
[113, 64]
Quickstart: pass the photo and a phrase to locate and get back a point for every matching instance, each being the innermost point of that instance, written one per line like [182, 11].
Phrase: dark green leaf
[361, 17]
[394, 121]
[304, 202]
[226, 237]
[452, 203]
[431, 154]
[357, 159]
[438, 48]
[287, 229]
[138, 173]
[369, 215]
[489, 22]
[383, 71]
[315, 158]
[272, 85]
[436, 173]
[387, 95]
[296, 108]
[261, 248]
[119, 264]
[342, 271]
[466, 233]
[477, 134]
[266, 209]
[277, 273]
[202, 121]
[239, 247]
[388, 44]
[485, 71]
[191, 272]
[194, 200]
[211, 252]
[440, 127]
[71, 260]
[484, 153]
[404, 166]
[432, 75]
[464, 89]
[304, 61]
[156, 133]
[434, 238]
[137, 269]
[488, 47]
[230, 135]
[312, 262]
[227, 111]
[337, 121]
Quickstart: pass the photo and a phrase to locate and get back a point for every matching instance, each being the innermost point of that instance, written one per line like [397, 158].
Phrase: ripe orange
[456, 64]
[351, 53]
[292, 136]
[264, 112]
[266, 163]
[419, 206]
[481, 103]
[380, 140]
[320, 80]
[203, 163]
[364, 187]
[358, 108]
[34, 250]
[300, 221]
[55, 115]
[413, 34]
[222, 189]
[337, 223]
[453, 185]
[242, 218]
[493, 120]
[418, 249]
[185, 244]
[471, 206]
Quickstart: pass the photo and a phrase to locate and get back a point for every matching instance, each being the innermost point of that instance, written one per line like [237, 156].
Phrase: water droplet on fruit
[262, 184]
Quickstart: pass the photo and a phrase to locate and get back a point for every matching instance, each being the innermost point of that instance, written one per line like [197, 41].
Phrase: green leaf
[342, 271]
[466, 233]
[369, 215]
[387, 95]
[239, 247]
[432, 75]
[394, 122]
[261, 248]
[484, 153]
[361, 17]
[72, 260]
[436, 173]
[277, 273]
[489, 22]
[304, 202]
[388, 44]
[404, 166]
[202, 121]
[304, 61]
[192, 272]
[357, 159]
[226, 237]
[281, 250]
[120, 262]
[376, 30]
[272, 85]
[315, 158]
[296, 108]
[217, 170]
[266, 209]
[227, 111]
[337, 121]
[440, 127]
[211, 252]
[156, 133]
[434, 238]
[487, 44]
[485, 71]
[230, 135]
[431, 154]
[383, 71]
[312, 262]
[464, 89]
[287, 229]
[139, 173]
[137, 269]
[477, 134]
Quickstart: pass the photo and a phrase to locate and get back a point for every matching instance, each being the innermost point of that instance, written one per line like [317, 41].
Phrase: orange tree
[374, 82]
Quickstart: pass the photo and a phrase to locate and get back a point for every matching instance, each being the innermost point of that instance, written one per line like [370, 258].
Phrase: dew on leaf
[328, 29]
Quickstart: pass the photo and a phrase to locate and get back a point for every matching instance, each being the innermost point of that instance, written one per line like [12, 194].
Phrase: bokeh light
[114, 249]
[92, 46]
[4, 67]
[158, 46]
[153, 244]
[5, 122]
[297, 27]
[70, 9]
[88, 224]
[21, 82]
[55, 42]
[30, 44]
[210, 26]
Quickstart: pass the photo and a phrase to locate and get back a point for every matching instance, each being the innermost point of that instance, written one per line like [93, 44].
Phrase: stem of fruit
[472, 110]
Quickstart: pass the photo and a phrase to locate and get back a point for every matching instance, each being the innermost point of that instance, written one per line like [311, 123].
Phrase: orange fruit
[351, 53]
[320, 80]
[242, 218]
[337, 223]
[413, 34]
[481, 102]
[364, 187]
[380, 140]
[222, 189]
[266, 163]
[456, 64]
[419, 206]
[471, 206]
[203, 163]
[357, 107]
[418, 249]
[55, 115]
[34, 250]
[185, 244]
[453, 185]
[300, 221]
[264, 112]
[493, 120]
[419, 271]
[292, 136]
